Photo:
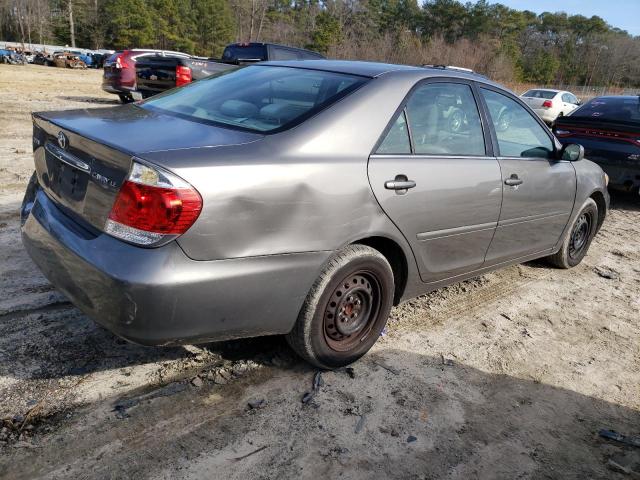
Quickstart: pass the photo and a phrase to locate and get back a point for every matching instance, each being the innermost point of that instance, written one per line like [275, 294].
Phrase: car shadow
[628, 201]
[57, 341]
[99, 100]
[399, 414]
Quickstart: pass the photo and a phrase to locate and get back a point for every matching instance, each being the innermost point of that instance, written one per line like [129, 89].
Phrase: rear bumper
[620, 162]
[622, 178]
[546, 114]
[107, 87]
[160, 296]
[116, 87]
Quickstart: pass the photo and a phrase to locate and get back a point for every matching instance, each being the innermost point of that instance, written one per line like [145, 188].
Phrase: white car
[550, 104]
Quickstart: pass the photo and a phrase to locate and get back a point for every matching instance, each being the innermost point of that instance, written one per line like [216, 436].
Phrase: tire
[346, 308]
[124, 98]
[578, 237]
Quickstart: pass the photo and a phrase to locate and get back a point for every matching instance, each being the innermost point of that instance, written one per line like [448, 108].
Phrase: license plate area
[66, 182]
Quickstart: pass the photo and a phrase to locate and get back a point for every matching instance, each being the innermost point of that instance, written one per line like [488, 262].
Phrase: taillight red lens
[547, 104]
[121, 62]
[183, 75]
[169, 211]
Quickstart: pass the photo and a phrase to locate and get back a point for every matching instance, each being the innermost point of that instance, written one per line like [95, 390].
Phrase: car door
[539, 190]
[568, 103]
[435, 176]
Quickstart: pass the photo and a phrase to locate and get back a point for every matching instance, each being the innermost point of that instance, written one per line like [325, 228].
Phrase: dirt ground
[507, 376]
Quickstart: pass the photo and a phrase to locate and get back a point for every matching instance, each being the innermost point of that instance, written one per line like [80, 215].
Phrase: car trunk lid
[82, 157]
[535, 103]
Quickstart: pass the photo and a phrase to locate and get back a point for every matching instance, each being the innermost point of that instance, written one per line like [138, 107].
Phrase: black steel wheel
[578, 237]
[350, 313]
[346, 309]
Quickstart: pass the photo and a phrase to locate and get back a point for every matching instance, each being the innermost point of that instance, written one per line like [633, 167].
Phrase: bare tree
[72, 32]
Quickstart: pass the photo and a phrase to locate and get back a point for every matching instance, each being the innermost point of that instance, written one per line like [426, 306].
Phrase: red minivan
[120, 71]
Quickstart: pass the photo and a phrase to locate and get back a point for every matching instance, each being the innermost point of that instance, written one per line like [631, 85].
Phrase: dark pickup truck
[157, 73]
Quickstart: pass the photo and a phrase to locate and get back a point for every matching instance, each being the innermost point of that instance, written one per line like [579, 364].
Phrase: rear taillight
[547, 104]
[121, 62]
[183, 75]
[151, 205]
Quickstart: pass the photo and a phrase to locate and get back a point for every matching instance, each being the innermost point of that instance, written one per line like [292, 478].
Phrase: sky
[624, 14]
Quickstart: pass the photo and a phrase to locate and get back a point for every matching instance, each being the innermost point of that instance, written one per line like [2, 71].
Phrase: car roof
[546, 90]
[373, 69]
[618, 97]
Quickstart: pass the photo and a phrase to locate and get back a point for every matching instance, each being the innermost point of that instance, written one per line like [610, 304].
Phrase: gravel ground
[510, 375]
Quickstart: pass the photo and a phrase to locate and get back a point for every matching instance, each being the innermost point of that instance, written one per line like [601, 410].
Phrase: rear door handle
[513, 180]
[401, 182]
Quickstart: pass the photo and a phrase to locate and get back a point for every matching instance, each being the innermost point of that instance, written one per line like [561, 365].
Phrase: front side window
[444, 120]
[256, 98]
[519, 134]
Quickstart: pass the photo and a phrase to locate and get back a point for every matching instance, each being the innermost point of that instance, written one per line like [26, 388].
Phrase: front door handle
[513, 180]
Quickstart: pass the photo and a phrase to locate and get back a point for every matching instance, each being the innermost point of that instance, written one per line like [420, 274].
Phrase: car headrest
[238, 108]
[280, 112]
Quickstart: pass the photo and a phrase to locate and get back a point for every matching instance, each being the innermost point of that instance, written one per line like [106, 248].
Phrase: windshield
[621, 109]
[257, 98]
[547, 95]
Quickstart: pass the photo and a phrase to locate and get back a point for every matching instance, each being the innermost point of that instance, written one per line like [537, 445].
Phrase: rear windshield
[257, 98]
[113, 57]
[612, 109]
[540, 94]
[248, 52]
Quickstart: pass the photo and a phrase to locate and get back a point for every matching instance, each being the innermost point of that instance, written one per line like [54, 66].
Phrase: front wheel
[578, 237]
[346, 309]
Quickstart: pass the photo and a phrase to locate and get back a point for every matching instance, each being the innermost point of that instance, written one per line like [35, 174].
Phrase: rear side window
[284, 54]
[444, 120]
[257, 98]
[518, 133]
[540, 94]
[397, 139]
[619, 109]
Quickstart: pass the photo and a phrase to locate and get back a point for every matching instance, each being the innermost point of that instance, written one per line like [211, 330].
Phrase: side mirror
[579, 101]
[572, 152]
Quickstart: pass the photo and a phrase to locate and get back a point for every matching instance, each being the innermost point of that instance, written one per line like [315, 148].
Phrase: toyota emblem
[62, 140]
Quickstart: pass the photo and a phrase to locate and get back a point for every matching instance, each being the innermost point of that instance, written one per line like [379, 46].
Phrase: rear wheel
[578, 237]
[346, 309]
[124, 98]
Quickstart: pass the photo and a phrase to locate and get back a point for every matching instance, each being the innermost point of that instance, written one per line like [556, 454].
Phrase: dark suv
[120, 71]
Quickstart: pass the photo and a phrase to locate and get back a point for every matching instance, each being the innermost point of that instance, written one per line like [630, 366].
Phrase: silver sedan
[300, 198]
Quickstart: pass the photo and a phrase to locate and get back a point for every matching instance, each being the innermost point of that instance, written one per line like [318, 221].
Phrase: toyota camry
[301, 198]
